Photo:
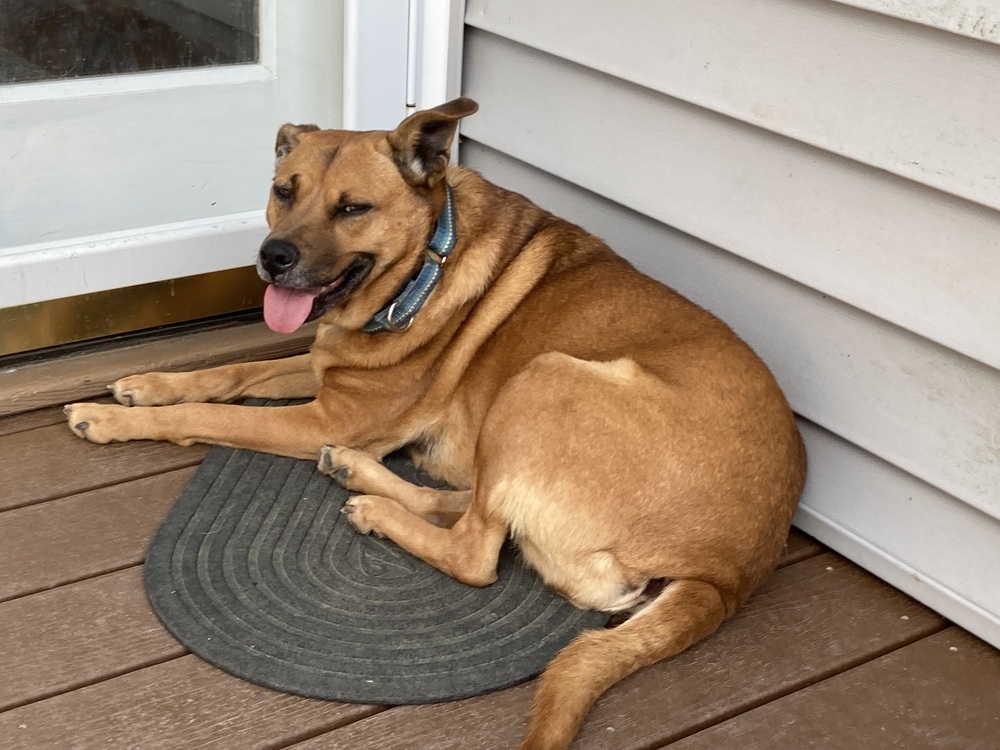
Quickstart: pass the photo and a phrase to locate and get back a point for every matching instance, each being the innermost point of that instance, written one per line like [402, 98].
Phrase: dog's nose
[278, 256]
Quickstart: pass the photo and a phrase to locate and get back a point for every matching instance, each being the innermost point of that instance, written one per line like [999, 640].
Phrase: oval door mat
[256, 571]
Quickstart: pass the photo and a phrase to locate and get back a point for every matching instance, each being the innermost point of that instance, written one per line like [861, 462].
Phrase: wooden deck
[826, 656]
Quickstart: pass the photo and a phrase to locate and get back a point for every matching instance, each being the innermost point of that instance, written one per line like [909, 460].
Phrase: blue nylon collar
[398, 314]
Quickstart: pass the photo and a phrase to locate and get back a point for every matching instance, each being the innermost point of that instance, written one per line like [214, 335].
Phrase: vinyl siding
[834, 202]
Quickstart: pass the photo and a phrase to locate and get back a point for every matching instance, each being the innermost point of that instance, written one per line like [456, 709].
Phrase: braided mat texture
[256, 571]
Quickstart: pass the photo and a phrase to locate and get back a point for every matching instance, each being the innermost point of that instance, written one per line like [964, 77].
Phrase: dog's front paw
[149, 389]
[334, 462]
[362, 512]
[98, 423]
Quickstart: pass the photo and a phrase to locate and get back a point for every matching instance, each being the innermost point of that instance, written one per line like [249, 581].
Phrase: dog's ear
[288, 138]
[421, 145]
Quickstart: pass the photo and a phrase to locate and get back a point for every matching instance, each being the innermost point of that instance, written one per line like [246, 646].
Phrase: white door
[137, 134]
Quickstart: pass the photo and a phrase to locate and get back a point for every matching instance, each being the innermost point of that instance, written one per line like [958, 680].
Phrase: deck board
[183, 703]
[31, 420]
[936, 694]
[813, 619]
[77, 537]
[799, 547]
[51, 462]
[78, 634]
[86, 374]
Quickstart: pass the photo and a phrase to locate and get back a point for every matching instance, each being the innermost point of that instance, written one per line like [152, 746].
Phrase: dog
[639, 453]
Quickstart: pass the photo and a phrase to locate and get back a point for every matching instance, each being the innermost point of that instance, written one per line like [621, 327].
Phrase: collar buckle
[435, 257]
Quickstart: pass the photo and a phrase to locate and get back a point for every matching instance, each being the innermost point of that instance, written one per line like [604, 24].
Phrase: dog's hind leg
[362, 472]
[291, 377]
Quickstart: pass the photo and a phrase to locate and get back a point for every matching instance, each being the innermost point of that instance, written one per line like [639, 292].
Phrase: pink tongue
[286, 309]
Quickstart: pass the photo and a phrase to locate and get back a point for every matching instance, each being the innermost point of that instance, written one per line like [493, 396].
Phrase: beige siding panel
[913, 403]
[909, 400]
[899, 96]
[906, 253]
[979, 19]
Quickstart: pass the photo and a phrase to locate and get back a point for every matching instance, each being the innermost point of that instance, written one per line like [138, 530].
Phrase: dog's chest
[445, 450]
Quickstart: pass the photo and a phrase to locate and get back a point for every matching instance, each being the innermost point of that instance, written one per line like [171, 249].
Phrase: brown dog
[641, 455]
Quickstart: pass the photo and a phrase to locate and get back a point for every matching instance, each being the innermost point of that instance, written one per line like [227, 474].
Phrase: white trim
[441, 34]
[351, 63]
[268, 29]
[397, 54]
[35, 273]
[921, 540]
[375, 49]
[412, 53]
[133, 83]
[899, 574]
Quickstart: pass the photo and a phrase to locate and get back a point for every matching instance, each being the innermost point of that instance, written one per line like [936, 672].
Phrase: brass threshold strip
[90, 316]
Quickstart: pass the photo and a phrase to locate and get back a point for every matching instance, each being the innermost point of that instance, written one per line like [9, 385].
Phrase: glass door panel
[58, 39]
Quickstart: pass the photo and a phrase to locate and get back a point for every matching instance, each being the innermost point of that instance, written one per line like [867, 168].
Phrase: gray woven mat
[256, 570]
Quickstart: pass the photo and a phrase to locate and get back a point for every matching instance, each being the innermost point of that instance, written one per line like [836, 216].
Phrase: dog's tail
[685, 612]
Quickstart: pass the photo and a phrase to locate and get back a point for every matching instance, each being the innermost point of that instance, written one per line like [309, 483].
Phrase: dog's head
[351, 213]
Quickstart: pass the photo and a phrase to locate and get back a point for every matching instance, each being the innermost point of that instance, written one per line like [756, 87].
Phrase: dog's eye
[353, 209]
[284, 193]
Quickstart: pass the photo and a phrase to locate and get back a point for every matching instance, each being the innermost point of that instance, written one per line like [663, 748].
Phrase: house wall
[825, 178]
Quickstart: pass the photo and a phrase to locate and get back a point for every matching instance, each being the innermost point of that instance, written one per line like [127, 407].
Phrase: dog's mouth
[287, 308]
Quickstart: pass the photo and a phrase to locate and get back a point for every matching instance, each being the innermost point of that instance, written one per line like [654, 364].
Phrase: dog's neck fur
[398, 315]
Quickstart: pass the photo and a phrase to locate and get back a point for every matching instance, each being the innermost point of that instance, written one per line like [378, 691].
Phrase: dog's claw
[337, 472]
[357, 517]
[98, 423]
[125, 398]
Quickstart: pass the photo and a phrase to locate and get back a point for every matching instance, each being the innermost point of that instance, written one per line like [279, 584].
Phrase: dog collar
[398, 314]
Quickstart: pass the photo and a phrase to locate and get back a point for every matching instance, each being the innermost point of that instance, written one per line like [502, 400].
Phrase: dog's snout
[278, 256]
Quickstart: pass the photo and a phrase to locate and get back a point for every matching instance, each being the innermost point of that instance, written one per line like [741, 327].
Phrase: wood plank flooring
[825, 656]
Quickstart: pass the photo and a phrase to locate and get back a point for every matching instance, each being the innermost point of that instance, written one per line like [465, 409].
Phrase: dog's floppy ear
[421, 144]
[288, 138]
